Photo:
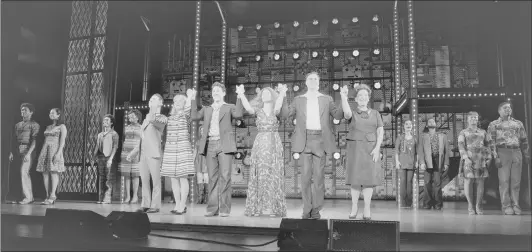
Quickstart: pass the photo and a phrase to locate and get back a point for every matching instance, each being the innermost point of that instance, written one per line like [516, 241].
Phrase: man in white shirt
[313, 138]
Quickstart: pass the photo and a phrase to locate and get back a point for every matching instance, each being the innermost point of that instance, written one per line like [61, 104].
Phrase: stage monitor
[303, 235]
[359, 235]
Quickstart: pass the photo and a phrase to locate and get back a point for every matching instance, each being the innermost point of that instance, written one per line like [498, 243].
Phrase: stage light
[294, 121]
[335, 21]
[496, 94]
[258, 26]
[520, 93]
[239, 155]
[469, 95]
[335, 53]
[276, 25]
[295, 55]
[377, 85]
[295, 156]
[375, 18]
[296, 24]
[240, 123]
[315, 54]
[376, 51]
[355, 20]
[336, 86]
[336, 155]
[258, 58]
[356, 53]
[336, 121]
[315, 22]
[239, 59]
[515, 94]
[240, 27]
[276, 56]
[296, 88]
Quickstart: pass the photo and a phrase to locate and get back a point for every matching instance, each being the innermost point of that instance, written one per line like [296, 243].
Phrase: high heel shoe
[353, 216]
[366, 217]
[50, 201]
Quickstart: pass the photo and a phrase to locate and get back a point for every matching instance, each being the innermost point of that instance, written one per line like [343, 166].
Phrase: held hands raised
[191, 94]
[344, 91]
[240, 89]
[282, 89]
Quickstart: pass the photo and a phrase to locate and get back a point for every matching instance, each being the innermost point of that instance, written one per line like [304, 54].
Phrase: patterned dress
[49, 149]
[475, 144]
[266, 176]
[177, 157]
[132, 135]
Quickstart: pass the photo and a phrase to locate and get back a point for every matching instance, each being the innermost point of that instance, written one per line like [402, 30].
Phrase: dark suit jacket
[298, 109]
[228, 112]
[152, 132]
[425, 152]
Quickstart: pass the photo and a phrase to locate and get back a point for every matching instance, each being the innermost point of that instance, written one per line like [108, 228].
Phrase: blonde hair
[176, 98]
[257, 102]
[361, 87]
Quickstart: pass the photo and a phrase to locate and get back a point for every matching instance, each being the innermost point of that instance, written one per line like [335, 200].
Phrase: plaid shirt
[508, 134]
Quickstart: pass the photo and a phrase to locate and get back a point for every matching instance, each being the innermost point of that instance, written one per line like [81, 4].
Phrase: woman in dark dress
[364, 139]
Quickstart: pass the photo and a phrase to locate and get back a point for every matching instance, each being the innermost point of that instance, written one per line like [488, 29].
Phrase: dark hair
[111, 117]
[137, 113]
[60, 119]
[218, 84]
[311, 73]
[504, 103]
[29, 106]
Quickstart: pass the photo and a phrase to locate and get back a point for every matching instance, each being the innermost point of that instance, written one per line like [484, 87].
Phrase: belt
[313, 132]
[213, 138]
[504, 146]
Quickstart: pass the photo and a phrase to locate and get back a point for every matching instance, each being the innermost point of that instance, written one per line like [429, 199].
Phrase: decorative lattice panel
[71, 179]
[101, 17]
[94, 120]
[74, 116]
[80, 21]
[98, 53]
[78, 55]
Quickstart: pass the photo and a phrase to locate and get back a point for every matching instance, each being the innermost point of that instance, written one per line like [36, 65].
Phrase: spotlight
[258, 26]
[239, 155]
[356, 53]
[295, 55]
[315, 54]
[375, 18]
[336, 86]
[258, 58]
[239, 59]
[315, 22]
[240, 123]
[355, 20]
[240, 27]
[276, 56]
[520, 93]
[276, 25]
[377, 85]
[376, 51]
[295, 156]
[336, 155]
[295, 88]
[336, 121]
[335, 53]
[335, 21]
[294, 121]
[296, 24]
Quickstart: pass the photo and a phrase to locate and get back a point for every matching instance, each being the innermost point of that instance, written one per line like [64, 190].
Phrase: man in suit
[151, 152]
[313, 138]
[434, 160]
[218, 145]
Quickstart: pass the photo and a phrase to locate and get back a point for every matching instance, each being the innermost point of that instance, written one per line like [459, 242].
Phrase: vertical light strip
[195, 75]
[396, 47]
[224, 48]
[413, 89]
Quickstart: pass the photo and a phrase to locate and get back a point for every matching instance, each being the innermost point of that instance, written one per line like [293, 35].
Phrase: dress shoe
[25, 201]
[224, 215]
[305, 216]
[315, 214]
[152, 210]
[509, 211]
[211, 214]
[143, 210]
[517, 210]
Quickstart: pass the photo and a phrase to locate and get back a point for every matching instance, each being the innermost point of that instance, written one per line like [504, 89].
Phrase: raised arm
[345, 103]
[246, 104]
[158, 120]
[335, 111]
[196, 115]
[237, 111]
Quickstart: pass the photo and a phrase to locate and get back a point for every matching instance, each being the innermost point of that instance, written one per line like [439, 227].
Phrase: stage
[452, 221]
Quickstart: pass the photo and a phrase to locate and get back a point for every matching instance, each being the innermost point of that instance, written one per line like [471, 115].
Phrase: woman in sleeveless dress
[130, 158]
[51, 162]
[364, 139]
[406, 163]
[178, 162]
[266, 176]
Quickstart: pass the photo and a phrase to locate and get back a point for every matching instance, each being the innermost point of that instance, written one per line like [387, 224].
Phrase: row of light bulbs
[314, 54]
[465, 95]
[295, 24]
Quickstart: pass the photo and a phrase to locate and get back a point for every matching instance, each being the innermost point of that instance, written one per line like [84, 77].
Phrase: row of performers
[150, 151]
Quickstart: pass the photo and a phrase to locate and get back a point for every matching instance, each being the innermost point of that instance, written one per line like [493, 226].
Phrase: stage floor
[453, 219]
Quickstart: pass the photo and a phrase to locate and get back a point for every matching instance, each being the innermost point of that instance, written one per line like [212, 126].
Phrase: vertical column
[224, 48]
[397, 81]
[195, 77]
[413, 90]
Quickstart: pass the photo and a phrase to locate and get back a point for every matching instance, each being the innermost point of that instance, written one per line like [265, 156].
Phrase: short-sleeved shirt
[26, 132]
